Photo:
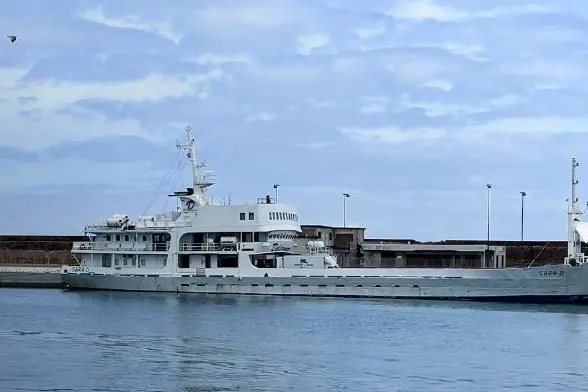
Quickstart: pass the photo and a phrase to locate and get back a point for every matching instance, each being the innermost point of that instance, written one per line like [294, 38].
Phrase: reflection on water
[105, 341]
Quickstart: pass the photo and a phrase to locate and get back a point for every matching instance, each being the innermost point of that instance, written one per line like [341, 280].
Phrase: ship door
[207, 261]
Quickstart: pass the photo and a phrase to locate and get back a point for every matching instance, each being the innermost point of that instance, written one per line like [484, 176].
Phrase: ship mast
[200, 180]
[574, 243]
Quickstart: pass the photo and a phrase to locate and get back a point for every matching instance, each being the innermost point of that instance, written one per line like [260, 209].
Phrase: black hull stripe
[523, 299]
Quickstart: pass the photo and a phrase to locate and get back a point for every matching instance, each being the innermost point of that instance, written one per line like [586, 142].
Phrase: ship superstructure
[200, 237]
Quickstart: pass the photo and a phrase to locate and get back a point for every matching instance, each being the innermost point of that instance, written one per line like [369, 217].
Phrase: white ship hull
[559, 283]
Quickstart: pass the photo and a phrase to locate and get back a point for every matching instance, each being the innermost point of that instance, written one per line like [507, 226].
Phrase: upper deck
[260, 216]
[160, 222]
[196, 213]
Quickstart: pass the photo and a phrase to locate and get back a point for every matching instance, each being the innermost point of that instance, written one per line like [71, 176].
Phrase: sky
[410, 106]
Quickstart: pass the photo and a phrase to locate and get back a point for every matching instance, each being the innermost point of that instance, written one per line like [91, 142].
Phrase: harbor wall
[55, 251]
[37, 277]
[37, 251]
[34, 261]
[525, 253]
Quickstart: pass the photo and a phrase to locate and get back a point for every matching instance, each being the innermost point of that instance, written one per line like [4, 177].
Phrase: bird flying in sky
[12, 38]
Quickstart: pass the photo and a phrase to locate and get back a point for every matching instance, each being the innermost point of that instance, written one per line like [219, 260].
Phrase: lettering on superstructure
[551, 273]
[276, 247]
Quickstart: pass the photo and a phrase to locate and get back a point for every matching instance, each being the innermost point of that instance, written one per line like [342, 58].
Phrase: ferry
[245, 249]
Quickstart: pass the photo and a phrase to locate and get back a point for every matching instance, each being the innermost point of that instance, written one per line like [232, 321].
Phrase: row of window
[117, 237]
[272, 216]
[136, 237]
[251, 216]
[280, 236]
[283, 216]
[126, 262]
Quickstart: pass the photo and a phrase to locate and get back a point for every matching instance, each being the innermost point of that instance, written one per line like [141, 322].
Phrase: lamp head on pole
[346, 195]
[276, 186]
[523, 194]
[488, 186]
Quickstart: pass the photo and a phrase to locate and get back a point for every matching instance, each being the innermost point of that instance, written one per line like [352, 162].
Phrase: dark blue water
[97, 341]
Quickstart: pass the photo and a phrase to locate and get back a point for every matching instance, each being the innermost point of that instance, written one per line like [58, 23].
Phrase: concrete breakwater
[34, 261]
[38, 277]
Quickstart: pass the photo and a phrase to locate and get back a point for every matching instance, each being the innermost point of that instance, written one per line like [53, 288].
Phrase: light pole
[276, 186]
[523, 194]
[488, 188]
[345, 196]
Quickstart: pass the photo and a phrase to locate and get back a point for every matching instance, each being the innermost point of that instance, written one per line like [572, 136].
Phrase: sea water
[54, 340]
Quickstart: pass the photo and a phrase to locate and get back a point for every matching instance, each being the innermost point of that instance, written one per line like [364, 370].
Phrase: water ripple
[111, 342]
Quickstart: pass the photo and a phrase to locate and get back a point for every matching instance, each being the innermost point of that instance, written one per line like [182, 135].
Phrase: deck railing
[124, 246]
[139, 225]
[199, 247]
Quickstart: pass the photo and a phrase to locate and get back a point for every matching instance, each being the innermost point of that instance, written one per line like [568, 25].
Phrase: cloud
[419, 10]
[374, 105]
[549, 125]
[154, 87]
[439, 84]
[307, 43]
[94, 96]
[263, 117]
[48, 105]
[370, 32]
[392, 135]
[440, 109]
[134, 22]
[255, 14]
[214, 58]
[426, 9]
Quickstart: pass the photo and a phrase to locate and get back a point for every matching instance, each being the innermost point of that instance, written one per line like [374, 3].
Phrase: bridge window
[126, 238]
[108, 238]
[242, 216]
[118, 237]
[251, 216]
